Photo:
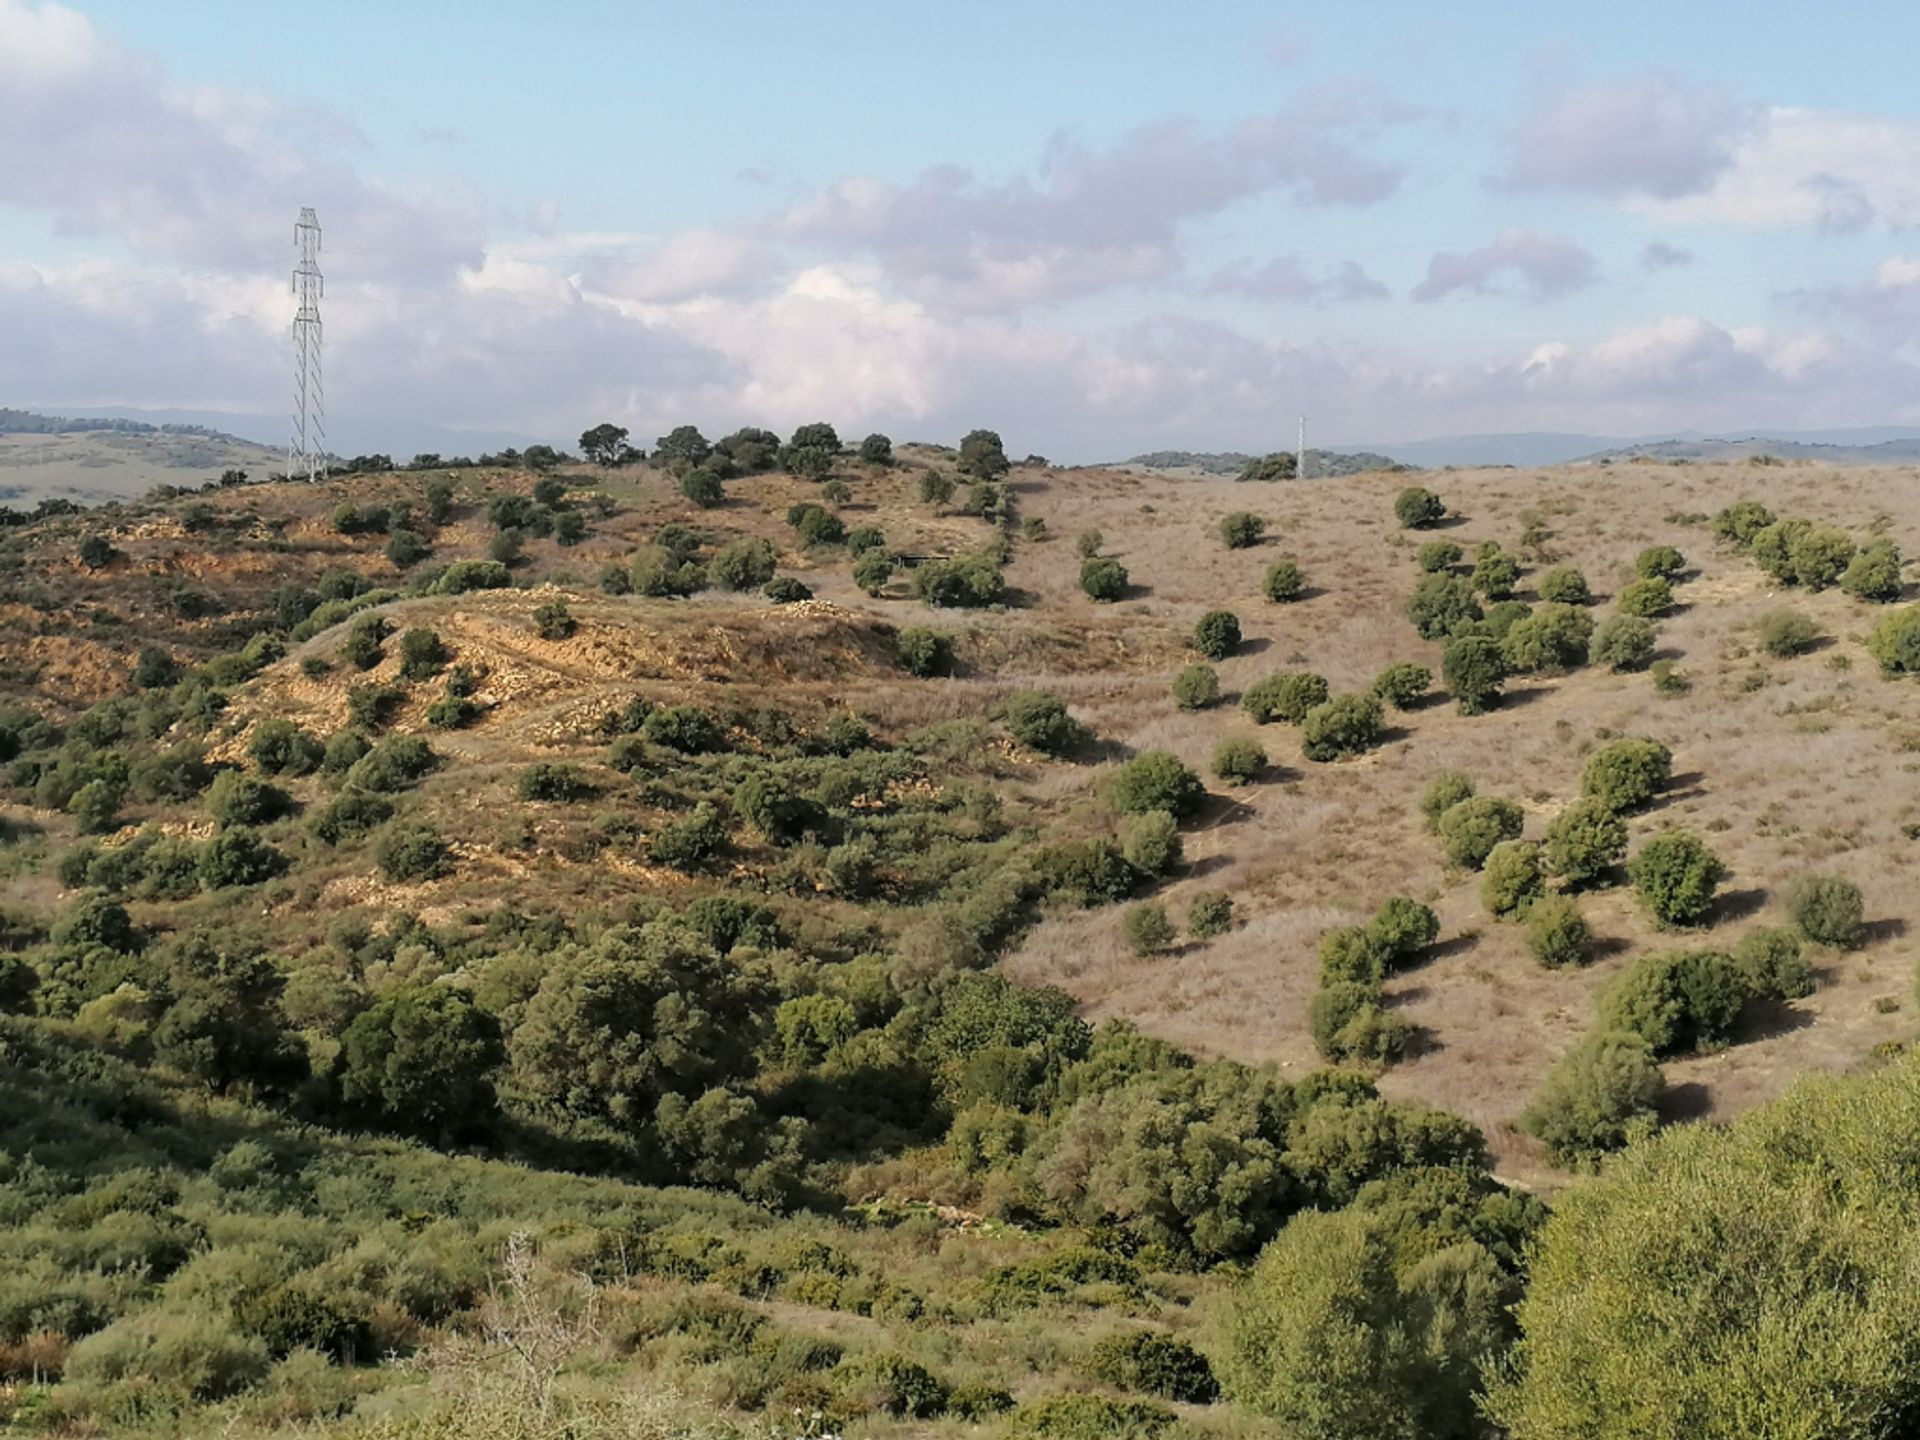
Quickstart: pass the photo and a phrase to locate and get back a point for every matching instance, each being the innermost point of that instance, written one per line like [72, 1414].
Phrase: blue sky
[1100, 229]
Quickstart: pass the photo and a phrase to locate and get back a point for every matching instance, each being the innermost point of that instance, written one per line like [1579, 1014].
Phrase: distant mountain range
[1232, 462]
[347, 435]
[1865, 445]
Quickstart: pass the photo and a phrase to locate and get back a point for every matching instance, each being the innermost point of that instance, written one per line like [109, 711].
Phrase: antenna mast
[306, 454]
[1300, 455]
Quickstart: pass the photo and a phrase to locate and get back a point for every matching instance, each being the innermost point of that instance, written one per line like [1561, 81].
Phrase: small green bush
[1555, 638]
[1284, 582]
[1436, 557]
[1217, 635]
[1039, 720]
[1242, 530]
[1596, 1098]
[1622, 643]
[1156, 780]
[1645, 598]
[1151, 842]
[1661, 562]
[1496, 574]
[686, 728]
[1103, 579]
[1210, 913]
[1147, 929]
[1285, 698]
[1828, 910]
[1558, 934]
[1416, 508]
[1403, 685]
[1739, 522]
[1894, 641]
[1405, 927]
[691, 840]
[786, 590]
[1345, 726]
[410, 852]
[1239, 760]
[1197, 687]
[1443, 792]
[1474, 671]
[1785, 633]
[925, 653]
[1585, 841]
[1470, 830]
[1677, 1000]
[1774, 964]
[1439, 603]
[1354, 955]
[1511, 880]
[1564, 585]
[236, 798]
[1154, 1364]
[1874, 573]
[1820, 555]
[1348, 1022]
[549, 782]
[1088, 1417]
[873, 570]
[1675, 875]
[554, 621]
[1625, 774]
[743, 564]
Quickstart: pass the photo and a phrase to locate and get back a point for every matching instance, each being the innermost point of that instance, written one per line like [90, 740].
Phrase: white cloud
[1651, 135]
[1545, 266]
[1287, 278]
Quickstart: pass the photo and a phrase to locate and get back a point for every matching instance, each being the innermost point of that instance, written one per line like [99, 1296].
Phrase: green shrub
[1874, 573]
[1554, 638]
[1405, 927]
[361, 646]
[1558, 934]
[554, 621]
[1495, 574]
[964, 582]
[1625, 774]
[1147, 929]
[1088, 1417]
[1217, 635]
[1677, 1000]
[1595, 1098]
[238, 856]
[464, 575]
[374, 707]
[393, 764]
[1210, 913]
[1345, 726]
[1348, 1022]
[659, 574]
[1438, 556]
[1785, 633]
[549, 782]
[785, 590]
[1151, 842]
[1774, 964]
[873, 570]
[690, 841]
[1675, 876]
[1239, 760]
[1242, 530]
[1088, 872]
[1103, 578]
[1087, 544]
[411, 852]
[925, 653]
[1354, 955]
[893, 1385]
[1739, 522]
[686, 728]
[1820, 555]
[1284, 582]
[236, 798]
[1156, 780]
[1622, 643]
[1286, 697]
[743, 564]
[1645, 598]
[1154, 1364]
[1501, 617]
[1585, 841]
[280, 747]
[820, 527]
[1197, 687]
[181, 1352]
[1511, 880]
[350, 814]
[1403, 685]
[1894, 641]
[1661, 562]
[1474, 671]
[1416, 508]
[1039, 720]
[1470, 830]
[1439, 603]
[1564, 585]
[1442, 793]
[1772, 548]
[1828, 910]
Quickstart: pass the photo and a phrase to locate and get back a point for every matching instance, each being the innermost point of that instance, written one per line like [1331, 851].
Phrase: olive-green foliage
[1405, 927]
[1156, 780]
[821, 527]
[392, 765]
[1474, 671]
[1739, 522]
[409, 852]
[1039, 720]
[1585, 841]
[786, 590]
[1088, 1417]
[1441, 602]
[1153, 1363]
[1284, 581]
[1595, 1098]
[686, 728]
[1785, 633]
[873, 569]
[1147, 928]
[925, 653]
[1151, 842]
[422, 655]
[464, 575]
[553, 620]
[1344, 726]
[1103, 578]
[1557, 933]
[1287, 697]
[1470, 829]
[1335, 1332]
[1772, 548]
[1775, 964]
[1437, 556]
[1564, 585]
[657, 573]
[1239, 759]
[1555, 637]
[280, 747]
[1622, 643]
[1403, 684]
[1495, 573]
[1677, 1000]
[238, 856]
[1416, 508]
[1820, 555]
[1217, 634]
[1197, 687]
[963, 582]
[1088, 872]
[1675, 875]
[1348, 1023]
[1442, 793]
[1894, 641]
[745, 564]
[1799, 1219]
[1646, 598]
[1828, 910]
[1874, 573]
[1210, 913]
[690, 840]
[1242, 530]
[1662, 561]
[1501, 617]
[361, 646]
[1625, 774]
[418, 1060]
[236, 798]
[550, 782]
[1355, 955]
[1511, 879]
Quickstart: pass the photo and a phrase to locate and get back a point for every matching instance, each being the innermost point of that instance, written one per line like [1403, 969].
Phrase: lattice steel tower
[307, 452]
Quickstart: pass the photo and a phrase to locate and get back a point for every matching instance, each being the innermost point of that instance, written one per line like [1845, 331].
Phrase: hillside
[92, 462]
[1763, 448]
[1229, 463]
[484, 944]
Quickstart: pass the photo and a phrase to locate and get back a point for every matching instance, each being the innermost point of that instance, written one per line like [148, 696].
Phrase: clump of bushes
[1039, 720]
[1416, 508]
[1625, 774]
[1156, 780]
[1284, 582]
[1828, 910]
[1103, 578]
[1874, 573]
[1894, 641]
[1785, 633]
[1239, 760]
[1242, 530]
[1403, 685]
[1596, 1098]
[1558, 934]
[1511, 879]
[1474, 671]
[1147, 929]
[1441, 603]
[1344, 726]
[1197, 687]
[1585, 841]
[1554, 638]
[1622, 643]
[1675, 876]
[1646, 598]
[1442, 793]
[1151, 1363]
[1436, 557]
[1217, 634]
[1287, 697]
[1677, 1000]
[1659, 562]
[923, 652]
[1564, 585]
[1470, 829]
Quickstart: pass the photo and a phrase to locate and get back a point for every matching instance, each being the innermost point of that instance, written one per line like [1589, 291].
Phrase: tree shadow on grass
[1736, 905]
[1764, 1019]
[1688, 1101]
[1257, 645]
[1875, 931]
[1211, 865]
[1459, 944]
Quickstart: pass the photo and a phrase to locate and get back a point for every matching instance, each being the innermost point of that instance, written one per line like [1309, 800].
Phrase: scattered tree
[1622, 643]
[1284, 582]
[1675, 875]
[1242, 530]
[1417, 508]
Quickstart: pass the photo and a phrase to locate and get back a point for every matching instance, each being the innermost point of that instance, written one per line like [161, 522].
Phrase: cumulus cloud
[1287, 278]
[1545, 266]
[1651, 135]
[1095, 218]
